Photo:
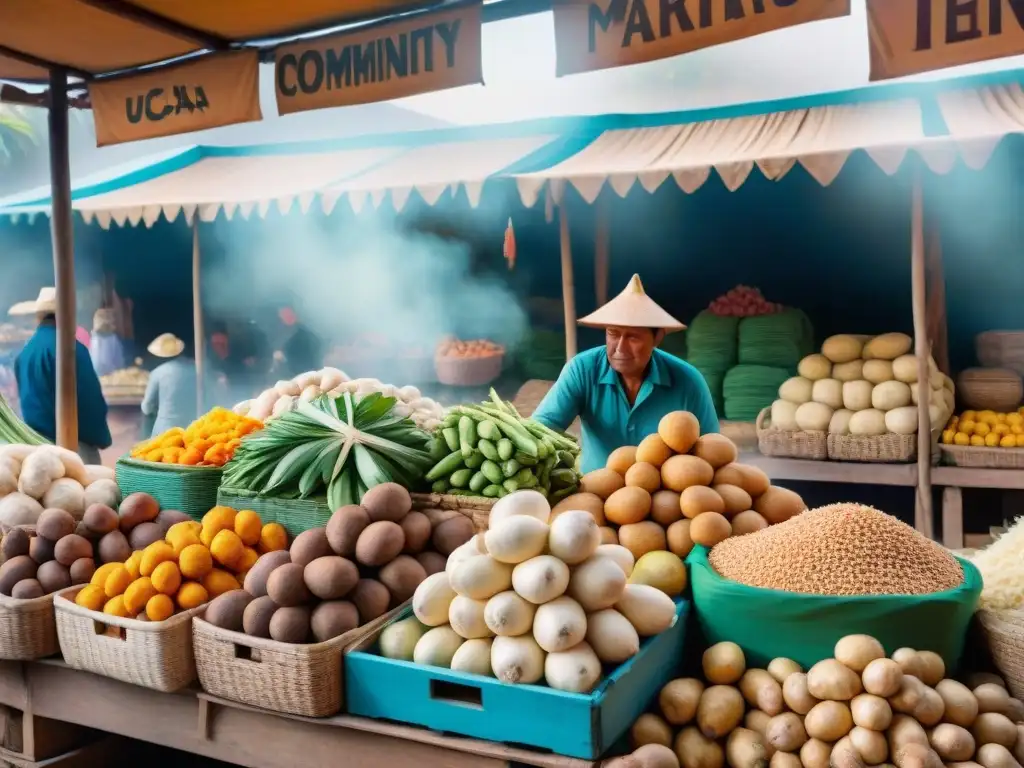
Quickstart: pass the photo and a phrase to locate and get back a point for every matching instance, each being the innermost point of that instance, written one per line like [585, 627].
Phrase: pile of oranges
[986, 429]
[209, 441]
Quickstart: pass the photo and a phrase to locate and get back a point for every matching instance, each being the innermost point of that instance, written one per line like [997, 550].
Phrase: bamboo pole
[197, 315]
[602, 248]
[935, 294]
[62, 233]
[923, 502]
[568, 286]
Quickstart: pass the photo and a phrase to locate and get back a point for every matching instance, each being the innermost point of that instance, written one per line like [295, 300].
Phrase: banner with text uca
[221, 89]
[380, 62]
[598, 34]
[912, 36]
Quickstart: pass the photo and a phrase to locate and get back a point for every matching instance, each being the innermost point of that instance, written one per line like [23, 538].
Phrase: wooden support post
[62, 234]
[935, 296]
[923, 505]
[568, 286]
[198, 332]
[602, 250]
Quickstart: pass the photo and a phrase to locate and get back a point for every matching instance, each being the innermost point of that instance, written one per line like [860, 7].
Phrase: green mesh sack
[779, 340]
[747, 389]
[711, 342]
[715, 381]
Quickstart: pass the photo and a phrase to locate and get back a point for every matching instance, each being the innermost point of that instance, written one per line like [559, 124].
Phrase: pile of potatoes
[174, 568]
[333, 579]
[58, 551]
[677, 488]
[855, 710]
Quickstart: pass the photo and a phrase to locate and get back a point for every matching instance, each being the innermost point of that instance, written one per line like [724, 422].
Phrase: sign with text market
[428, 52]
[210, 92]
[598, 34]
[911, 36]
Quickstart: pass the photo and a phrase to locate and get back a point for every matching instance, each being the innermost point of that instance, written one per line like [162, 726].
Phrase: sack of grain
[795, 588]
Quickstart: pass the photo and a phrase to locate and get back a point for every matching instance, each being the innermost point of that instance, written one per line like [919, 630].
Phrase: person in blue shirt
[36, 371]
[171, 392]
[622, 390]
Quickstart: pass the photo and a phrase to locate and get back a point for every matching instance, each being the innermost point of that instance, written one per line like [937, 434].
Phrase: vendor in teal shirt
[621, 391]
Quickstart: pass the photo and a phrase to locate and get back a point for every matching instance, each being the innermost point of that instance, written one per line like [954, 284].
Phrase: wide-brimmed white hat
[632, 308]
[166, 345]
[46, 303]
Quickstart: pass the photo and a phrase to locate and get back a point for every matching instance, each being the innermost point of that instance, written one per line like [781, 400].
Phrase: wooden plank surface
[833, 471]
[978, 477]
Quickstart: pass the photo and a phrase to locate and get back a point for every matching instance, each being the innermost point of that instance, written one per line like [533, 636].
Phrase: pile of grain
[842, 549]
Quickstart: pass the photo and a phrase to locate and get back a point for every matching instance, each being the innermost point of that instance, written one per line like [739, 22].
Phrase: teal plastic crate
[578, 725]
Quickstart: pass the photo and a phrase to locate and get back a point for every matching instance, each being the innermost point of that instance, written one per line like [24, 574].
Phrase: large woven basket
[1001, 349]
[28, 629]
[974, 456]
[282, 677]
[440, 507]
[155, 655]
[789, 444]
[1005, 632]
[193, 490]
[996, 389]
[889, 448]
[468, 371]
[296, 515]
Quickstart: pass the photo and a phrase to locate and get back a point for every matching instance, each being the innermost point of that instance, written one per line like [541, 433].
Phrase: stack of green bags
[748, 389]
[712, 348]
[779, 340]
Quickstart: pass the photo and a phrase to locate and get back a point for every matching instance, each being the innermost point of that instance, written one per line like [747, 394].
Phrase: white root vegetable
[67, 494]
[38, 471]
[540, 579]
[648, 609]
[559, 625]
[509, 614]
[284, 404]
[574, 536]
[517, 659]
[474, 657]
[19, 509]
[432, 599]
[611, 636]
[8, 481]
[466, 617]
[516, 539]
[399, 640]
[597, 583]
[287, 388]
[530, 503]
[622, 556]
[437, 647]
[576, 670]
[480, 577]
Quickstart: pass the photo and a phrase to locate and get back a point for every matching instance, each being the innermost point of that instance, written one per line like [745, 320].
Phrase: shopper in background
[106, 347]
[302, 349]
[36, 372]
[171, 393]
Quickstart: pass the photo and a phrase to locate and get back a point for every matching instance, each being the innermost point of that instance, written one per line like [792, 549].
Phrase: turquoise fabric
[590, 389]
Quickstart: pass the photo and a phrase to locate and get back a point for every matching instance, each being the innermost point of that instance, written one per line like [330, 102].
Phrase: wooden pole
[602, 249]
[198, 332]
[923, 505]
[568, 286]
[62, 234]
[935, 294]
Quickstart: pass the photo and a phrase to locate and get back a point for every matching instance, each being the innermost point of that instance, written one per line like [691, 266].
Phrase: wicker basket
[193, 490]
[789, 444]
[440, 507]
[155, 655]
[1001, 349]
[1005, 632]
[991, 458]
[28, 629]
[468, 371]
[296, 515]
[889, 448]
[282, 677]
[996, 389]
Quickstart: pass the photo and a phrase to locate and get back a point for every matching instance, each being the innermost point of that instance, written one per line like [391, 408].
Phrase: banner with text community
[911, 36]
[212, 91]
[597, 34]
[426, 52]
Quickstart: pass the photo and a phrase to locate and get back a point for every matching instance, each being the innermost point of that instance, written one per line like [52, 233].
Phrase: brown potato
[290, 624]
[432, 562]
[144, 534]
[226, 610]
[137, 508]
[41, 549]
[28, 589]
[168, 517]
[309, 545]
[371, 599]
[401, 576]
[381, 542]
[53, 576]
[70, 548]
[256, 616]
[114, 548]
[15, 543]
[332, 619]
[330, 577]
[82, 570]
[100, 519]
[14, 570]
[256, 578]
[417, 529]
[344, 527]
[452, 534]
[387, 501]
[286, 586]
[54, 524]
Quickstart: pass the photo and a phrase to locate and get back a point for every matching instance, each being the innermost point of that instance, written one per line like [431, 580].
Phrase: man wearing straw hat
[621, 391]
[36, 372]
[171, 391]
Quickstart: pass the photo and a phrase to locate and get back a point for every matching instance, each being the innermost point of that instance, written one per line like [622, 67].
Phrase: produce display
[452, 347]
[1001, 564]
[133, 377]
[34, 478]
[14, 334]
[841, 549]
[286, 395]
[531, 600]
[156, 563]
[333, 579]
[339, 446]
[490, 450]
[14, 431]
[986, 429]
[743, 301]
[861, 387]
[209, 441]
[856, 709]
[678, 488]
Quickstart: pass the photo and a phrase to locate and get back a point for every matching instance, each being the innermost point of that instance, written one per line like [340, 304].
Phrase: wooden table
[954, 479]
[192, 721]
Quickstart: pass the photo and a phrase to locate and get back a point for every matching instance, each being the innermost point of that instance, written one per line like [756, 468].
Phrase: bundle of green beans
[15, 431]
[490, 450]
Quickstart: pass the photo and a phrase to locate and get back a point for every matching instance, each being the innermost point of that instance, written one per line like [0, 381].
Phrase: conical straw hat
[166, 345]
[632, 308]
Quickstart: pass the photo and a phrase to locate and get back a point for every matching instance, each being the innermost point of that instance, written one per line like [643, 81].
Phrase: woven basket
[28, 629]
[440, 507]
[995, 389]
[296, 515]
[973, 456]
[1001, 349]
[155, 655]
[1005, 632]
[889, 448]
[468, 371]
[294, 679]
[789, 444]
[193, 490]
